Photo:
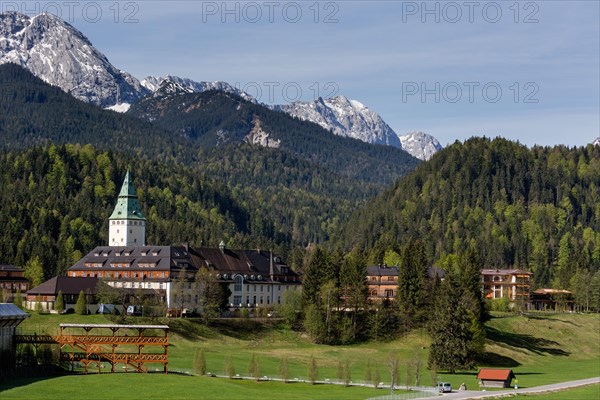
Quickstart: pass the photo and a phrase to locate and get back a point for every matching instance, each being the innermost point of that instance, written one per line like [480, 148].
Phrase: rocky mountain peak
[61, 55]
[420, 145]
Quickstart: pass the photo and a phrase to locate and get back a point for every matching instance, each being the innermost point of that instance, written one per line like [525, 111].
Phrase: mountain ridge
[58, 53]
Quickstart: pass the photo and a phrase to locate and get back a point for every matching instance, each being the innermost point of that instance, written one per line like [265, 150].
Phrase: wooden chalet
[46, 293]
[552, 299]
[12, 279]
[497, 378]
[383, 280]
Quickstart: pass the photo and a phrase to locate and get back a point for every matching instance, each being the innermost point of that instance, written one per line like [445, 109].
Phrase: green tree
[412, 298]
[59, 304]
[454, 341]
[34, 271]
[316, 272]
[18, 300]
[213, 295]
[291, 307]
[81, 305]
[314, 323]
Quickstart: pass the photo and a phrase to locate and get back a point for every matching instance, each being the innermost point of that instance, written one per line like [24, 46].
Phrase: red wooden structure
[95, 344]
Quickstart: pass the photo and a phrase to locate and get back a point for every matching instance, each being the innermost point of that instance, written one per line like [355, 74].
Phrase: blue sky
[528, 71]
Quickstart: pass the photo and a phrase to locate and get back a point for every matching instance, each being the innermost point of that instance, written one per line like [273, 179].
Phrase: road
[478, 394]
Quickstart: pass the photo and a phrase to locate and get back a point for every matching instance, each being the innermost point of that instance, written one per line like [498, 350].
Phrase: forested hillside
[35, 113]
[215, 118]
[290, 198]
[537, 209]
[55, 204]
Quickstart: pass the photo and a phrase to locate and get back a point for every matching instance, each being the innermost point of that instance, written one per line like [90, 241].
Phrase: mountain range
[61, 55]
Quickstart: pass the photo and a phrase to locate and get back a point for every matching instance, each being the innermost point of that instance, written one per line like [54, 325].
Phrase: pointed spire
[127, 206]
[128, 189]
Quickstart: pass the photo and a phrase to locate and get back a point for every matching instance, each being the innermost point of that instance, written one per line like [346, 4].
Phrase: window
[389, 293]
[237, 301]
[391, 279]
[261, 288]
[238, 286]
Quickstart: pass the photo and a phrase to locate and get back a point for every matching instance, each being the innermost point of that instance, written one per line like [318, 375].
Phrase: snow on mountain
[153, 83]
[420, 145]
[344, 117]
[59, 54]
[597, 141]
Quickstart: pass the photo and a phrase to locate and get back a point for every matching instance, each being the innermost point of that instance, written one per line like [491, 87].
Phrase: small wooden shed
[499, 378]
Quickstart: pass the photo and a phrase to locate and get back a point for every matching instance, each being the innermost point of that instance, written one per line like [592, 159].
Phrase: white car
[444, 387]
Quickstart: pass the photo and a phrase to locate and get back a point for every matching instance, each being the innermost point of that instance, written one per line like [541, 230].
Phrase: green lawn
[540, 349]
[159, 386]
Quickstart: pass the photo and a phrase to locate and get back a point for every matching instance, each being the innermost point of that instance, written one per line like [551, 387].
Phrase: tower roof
[127, 206]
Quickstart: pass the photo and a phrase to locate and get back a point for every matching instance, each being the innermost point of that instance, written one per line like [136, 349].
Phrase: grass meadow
[541, 349]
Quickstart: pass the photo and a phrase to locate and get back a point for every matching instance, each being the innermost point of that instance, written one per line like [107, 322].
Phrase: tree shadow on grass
[23, 376]
[527, 342]
[547, 318]
[497, 360]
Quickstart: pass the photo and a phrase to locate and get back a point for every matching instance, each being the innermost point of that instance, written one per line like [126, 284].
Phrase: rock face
[344, 117]
[59, 54]
[420, 145]
[597, 141]
[153, 84]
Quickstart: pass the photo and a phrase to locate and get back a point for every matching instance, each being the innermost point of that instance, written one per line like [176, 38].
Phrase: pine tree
[454, 342]
[59, 304]
[81, 305]
[413, 285]
[314, 276]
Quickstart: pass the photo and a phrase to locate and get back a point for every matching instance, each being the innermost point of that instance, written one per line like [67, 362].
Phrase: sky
[525, 70]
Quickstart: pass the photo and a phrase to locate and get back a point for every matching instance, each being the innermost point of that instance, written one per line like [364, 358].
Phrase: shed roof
[495, 374]
[11, 315]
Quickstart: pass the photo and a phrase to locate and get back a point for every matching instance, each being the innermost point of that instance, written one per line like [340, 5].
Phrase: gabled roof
[495, 374]
[68, 285]
[243, 262]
